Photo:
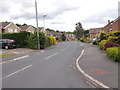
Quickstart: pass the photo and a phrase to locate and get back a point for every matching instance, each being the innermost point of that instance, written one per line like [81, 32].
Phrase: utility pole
[37, 25]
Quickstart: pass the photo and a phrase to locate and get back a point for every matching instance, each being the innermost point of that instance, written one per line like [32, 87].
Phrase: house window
[10, 30]
[15, 30]
[110, 30]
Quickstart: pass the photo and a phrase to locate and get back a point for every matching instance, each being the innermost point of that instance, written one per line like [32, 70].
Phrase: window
[10, 30]
[15, 30]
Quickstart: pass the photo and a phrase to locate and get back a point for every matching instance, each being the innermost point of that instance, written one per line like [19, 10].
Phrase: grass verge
[6, 55]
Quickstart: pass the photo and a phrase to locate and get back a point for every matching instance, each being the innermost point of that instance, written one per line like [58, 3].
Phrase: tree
[63, 37]
[79, 31]
[86, 33]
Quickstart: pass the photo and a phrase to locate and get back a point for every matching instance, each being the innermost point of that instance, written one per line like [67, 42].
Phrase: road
[52, 68]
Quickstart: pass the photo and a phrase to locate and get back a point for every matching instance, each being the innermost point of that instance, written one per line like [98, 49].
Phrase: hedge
[113, 53]
[20, 38]
[29, 40]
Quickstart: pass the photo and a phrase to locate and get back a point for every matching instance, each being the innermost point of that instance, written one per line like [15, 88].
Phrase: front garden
[110, 43]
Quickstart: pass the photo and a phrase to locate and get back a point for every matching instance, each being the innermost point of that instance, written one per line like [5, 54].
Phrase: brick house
[70, 36]
[112, 26]
[94, 31]
[27, 28]
[8, 27]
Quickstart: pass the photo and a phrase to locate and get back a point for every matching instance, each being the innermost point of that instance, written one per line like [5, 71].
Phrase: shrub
[112, 39]
[50, 40]
[110, 44]
[42, 40]
[102, 43]
[102, 36]
[113, 53]
[32, 41]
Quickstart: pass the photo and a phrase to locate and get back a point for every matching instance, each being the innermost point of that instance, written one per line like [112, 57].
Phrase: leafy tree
[63, 37]
[79, 31]
[86, 33]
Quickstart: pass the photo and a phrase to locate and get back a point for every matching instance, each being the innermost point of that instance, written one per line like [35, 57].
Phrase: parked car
[7, 43]
[94, 42]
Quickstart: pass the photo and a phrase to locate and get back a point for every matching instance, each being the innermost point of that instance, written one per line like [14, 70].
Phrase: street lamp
[37, 25]
[44, 21]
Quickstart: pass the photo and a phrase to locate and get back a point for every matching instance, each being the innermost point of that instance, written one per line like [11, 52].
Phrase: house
[8, 27]
[112, 26]
[53, 33]
[27, 28]
[94, 31]
[70, 36]
[41, 29]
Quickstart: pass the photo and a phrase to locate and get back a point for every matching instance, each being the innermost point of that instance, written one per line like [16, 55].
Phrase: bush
[50, 40]
[113, 53]
[110, 44]
[102, 36]
[42, 40]
[32, 41]
[85, 40]
[102, 43]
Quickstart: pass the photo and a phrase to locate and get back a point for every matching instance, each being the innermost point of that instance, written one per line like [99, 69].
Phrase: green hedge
[113, 53]
[29, 40]
[20, 38]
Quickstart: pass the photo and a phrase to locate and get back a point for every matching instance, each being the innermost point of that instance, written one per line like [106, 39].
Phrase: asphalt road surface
[52, 68]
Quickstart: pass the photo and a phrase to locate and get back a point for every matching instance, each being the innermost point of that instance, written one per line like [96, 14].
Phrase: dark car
[7, 43]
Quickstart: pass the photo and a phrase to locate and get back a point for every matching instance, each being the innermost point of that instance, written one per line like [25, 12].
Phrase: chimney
[108, 21]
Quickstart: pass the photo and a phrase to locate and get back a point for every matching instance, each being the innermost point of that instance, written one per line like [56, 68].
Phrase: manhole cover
[99, 71]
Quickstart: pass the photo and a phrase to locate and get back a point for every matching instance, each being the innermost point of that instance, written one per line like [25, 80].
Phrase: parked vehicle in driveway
[7, 43]
[94, 42]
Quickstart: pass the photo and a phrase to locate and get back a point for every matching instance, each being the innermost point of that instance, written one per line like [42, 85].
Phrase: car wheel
[6, 47]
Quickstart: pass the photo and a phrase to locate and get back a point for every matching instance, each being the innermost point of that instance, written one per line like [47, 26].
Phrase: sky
[62, 15]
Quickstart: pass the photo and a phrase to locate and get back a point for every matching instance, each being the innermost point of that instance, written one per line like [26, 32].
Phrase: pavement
[52, 68]
[95, 63]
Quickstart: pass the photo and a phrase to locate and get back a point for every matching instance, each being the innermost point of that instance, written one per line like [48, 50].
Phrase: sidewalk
[18, 51]
[96, 64]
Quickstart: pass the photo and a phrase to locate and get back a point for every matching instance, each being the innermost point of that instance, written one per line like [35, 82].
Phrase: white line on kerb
[17, 71]
[86, 75]
[51, 56]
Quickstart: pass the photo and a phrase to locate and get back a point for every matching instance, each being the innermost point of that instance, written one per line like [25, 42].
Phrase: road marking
[42, 51]
[62, 49]
[89, 78]
[15, 59]
[51, 56]
[17, 71]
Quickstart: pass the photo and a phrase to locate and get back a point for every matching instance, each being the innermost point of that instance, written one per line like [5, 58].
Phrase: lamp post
[44, 21]
[37, 25]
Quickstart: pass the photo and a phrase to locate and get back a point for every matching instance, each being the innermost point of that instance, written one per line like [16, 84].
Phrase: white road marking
[17, 71]
[51, 56]
[15, 59]
[42, 51]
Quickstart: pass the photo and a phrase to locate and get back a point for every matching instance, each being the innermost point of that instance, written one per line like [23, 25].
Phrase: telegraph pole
[37, 25]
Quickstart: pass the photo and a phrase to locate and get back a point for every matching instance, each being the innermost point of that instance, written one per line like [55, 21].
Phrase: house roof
[95, 30]
[4, 24]
[23, 28]
[54, 33]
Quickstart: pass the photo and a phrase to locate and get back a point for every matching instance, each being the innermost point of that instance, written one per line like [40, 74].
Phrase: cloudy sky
[61, 14]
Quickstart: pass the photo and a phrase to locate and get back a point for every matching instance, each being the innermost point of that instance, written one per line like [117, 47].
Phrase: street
[53, 67]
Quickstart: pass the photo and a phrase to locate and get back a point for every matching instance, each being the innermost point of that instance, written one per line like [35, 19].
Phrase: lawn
[6, 55]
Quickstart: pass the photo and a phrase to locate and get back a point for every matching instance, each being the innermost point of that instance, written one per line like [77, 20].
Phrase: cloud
[28, 11]
[57, 22]
[101, 17]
